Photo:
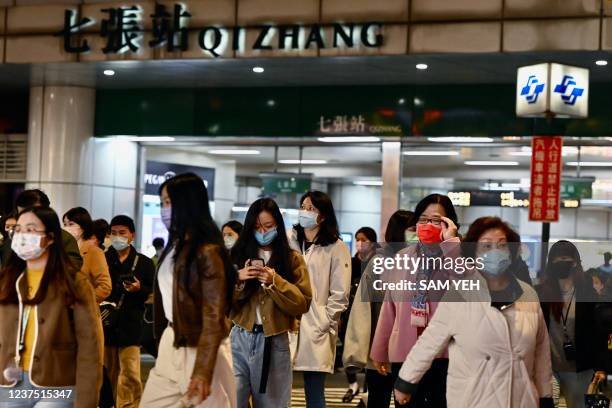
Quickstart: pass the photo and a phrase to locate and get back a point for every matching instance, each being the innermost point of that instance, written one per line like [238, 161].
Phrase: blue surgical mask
[266, 238]
[166, 216]
[496, 262]
[308, 219]
[120, 243]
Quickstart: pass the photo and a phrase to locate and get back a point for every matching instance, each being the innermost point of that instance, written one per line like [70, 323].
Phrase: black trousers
[432, 388]
[107, 400]
[380, 388]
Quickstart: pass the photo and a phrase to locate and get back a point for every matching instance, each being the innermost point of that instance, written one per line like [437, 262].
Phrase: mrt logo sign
[552, 89]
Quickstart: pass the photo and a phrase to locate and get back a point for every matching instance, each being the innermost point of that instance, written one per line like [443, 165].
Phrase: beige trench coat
[329, 268]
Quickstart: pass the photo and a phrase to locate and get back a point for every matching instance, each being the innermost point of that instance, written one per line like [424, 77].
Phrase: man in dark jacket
[36, 198]
[132, 276]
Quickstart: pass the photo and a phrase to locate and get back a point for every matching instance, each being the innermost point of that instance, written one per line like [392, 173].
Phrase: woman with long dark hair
[317, 237]
[79, 224]
[578, 348]
[403, 319]
[193, 292]
[231, 231]
[50, 328]
[272, 293]
[366, 309]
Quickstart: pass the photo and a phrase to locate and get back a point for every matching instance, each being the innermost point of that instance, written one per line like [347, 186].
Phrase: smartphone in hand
[257, 262]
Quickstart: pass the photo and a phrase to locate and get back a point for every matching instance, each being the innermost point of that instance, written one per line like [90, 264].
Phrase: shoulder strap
[122, 298]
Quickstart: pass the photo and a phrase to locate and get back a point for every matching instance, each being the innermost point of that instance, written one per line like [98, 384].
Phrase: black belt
[265, 366]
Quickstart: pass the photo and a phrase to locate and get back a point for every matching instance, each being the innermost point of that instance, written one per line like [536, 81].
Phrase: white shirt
[165, 279]
[265, 255]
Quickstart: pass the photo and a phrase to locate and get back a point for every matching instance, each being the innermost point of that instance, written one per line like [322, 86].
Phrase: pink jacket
[395, 336]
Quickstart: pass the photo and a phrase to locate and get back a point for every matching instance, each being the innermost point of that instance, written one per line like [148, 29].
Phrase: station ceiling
[442, 69]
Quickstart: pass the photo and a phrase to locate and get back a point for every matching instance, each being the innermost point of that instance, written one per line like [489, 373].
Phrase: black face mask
[562, 269]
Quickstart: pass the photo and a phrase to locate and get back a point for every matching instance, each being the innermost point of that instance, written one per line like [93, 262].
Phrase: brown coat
[68, 345]
[281, 304]
[95, 269]
[199, 315]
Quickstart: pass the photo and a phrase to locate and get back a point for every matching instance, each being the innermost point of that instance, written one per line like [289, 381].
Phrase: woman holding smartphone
[50, 328]
[272, 293]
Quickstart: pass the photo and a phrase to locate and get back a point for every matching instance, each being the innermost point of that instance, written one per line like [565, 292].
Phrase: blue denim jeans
[26, 395]
[247, 353]
[314, 388]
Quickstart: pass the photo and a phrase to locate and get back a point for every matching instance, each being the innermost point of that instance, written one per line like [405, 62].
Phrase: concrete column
[391, 172]
[69, 164]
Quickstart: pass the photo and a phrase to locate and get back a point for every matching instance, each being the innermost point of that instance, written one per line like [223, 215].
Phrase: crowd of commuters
[230, 313]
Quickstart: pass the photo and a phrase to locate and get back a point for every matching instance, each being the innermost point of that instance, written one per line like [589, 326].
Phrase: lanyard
[22, 330]
[569, 306]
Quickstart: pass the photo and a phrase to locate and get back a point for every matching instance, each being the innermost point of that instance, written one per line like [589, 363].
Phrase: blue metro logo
[532, 89]
[568, 90]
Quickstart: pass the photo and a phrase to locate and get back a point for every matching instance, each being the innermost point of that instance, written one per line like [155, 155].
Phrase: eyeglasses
[425, 220]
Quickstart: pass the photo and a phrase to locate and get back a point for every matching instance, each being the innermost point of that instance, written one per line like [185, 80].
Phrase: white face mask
[74, 230]
[27, 246]
[229, 241]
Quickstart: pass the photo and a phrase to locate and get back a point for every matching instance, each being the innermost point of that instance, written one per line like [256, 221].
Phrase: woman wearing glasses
[50, 328]
[404, 316]
[496, 337]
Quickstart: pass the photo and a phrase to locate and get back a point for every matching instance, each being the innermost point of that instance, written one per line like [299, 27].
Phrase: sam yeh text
[442, 285]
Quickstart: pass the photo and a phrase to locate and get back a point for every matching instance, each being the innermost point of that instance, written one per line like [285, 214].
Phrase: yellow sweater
[34, 277]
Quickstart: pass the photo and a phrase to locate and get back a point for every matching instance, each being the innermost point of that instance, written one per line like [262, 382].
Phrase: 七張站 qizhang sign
[123, 31]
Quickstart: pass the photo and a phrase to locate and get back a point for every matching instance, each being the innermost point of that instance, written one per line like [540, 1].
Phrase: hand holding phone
[266, 276]
[251, 269]
[257, 263]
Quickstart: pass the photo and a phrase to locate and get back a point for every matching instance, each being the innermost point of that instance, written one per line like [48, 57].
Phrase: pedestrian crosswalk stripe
[333, 398]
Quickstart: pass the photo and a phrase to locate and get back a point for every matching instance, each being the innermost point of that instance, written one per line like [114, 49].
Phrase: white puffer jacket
[497, 358]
